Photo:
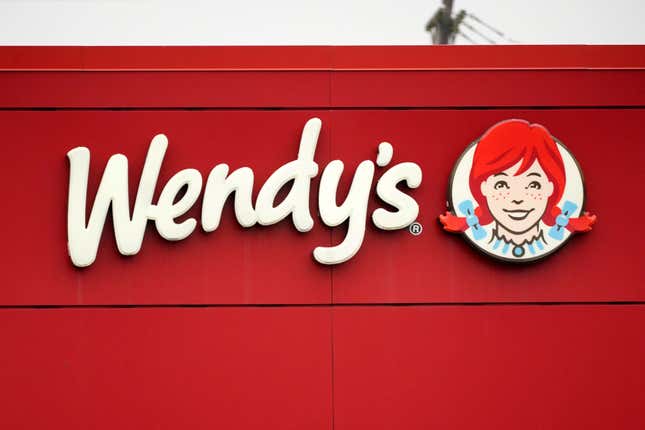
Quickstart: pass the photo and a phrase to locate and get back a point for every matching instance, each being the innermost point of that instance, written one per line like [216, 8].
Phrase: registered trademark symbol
[415, 228]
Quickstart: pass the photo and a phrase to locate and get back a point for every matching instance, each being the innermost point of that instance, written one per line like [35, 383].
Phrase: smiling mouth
[517, 214]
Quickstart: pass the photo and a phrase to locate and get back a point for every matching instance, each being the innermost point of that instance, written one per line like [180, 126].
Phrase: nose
[517, 202]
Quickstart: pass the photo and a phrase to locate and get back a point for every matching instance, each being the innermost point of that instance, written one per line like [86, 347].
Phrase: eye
[501, 184]
[534, 185]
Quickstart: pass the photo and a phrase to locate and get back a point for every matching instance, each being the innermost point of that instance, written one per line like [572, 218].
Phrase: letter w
[83, 240]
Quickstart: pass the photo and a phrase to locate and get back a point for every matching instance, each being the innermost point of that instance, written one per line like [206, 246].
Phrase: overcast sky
[320, 22]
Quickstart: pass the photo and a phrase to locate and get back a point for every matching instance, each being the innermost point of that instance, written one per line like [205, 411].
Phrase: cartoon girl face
[518, 202]
[507, 193]
[517, 177]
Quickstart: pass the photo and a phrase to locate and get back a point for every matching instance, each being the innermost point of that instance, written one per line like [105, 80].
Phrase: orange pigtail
[454, 223]
[581, 224]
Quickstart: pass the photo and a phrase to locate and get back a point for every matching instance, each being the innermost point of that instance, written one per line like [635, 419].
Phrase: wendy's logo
[517, 193]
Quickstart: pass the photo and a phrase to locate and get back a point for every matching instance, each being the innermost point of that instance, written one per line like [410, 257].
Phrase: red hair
[504, 145]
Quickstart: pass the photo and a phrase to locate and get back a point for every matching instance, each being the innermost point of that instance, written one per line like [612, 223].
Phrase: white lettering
[84, 236]
[166, 210]
[82, 240]
[407, 207]
[353, 208]
[300, 171]
[219, 187]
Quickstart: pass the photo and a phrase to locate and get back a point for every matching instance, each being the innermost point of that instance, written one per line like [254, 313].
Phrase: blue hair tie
[561, 221]
[466, 207]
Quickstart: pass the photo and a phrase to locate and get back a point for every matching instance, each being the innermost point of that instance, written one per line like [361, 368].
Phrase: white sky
[308, 22]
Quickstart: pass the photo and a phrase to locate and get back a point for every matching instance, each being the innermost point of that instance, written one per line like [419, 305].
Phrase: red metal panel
[488, 88]
[497, 367]
[114, 89]
[397, 267]
[291, 89]
[165, 57]
[318, 57]
[487, 57]
[230, 265]
[198, 368]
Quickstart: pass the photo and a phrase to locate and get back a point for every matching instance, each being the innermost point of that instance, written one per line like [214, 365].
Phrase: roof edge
[267, 58]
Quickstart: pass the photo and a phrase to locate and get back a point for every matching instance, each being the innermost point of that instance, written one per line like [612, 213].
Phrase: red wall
[240, 328]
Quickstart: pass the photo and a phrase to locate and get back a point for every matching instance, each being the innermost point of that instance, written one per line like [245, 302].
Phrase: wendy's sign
[517, 193]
